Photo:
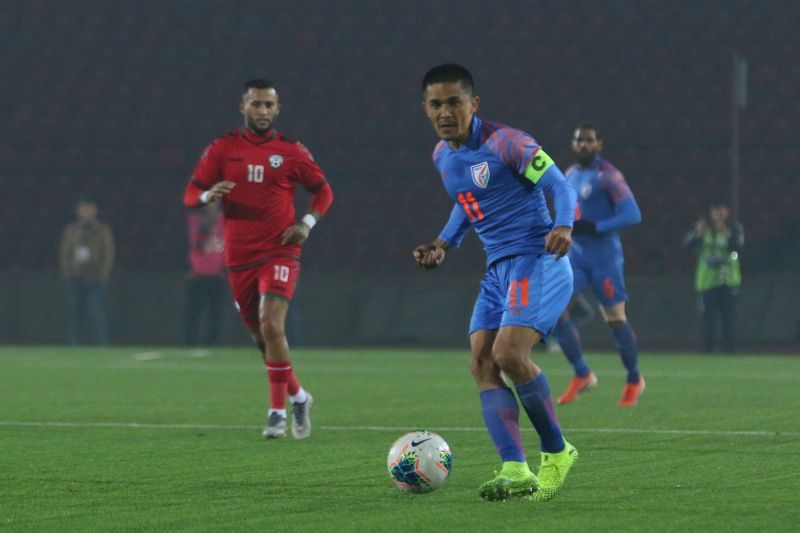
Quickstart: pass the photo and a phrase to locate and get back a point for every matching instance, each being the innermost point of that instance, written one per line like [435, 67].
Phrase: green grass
[714, 444]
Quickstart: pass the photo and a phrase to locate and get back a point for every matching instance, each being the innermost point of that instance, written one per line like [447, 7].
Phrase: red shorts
[276, 277]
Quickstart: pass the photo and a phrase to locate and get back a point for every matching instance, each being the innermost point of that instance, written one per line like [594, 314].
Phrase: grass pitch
[153, 439]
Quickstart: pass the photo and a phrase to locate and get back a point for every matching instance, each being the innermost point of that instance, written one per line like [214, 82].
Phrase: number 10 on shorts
[281, 273]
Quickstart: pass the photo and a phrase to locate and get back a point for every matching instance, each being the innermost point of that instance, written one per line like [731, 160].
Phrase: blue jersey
[605, 199]
[496, 179]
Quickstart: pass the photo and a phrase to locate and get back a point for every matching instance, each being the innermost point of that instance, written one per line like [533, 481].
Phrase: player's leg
[272, 315]
[501, 416]
[498, 404]
[277, 283]
[511, 353]
[569, 338]
[584, 379]
[627, 346]
[283, 382]
[608, 285]
[245, 287]
[538, 290]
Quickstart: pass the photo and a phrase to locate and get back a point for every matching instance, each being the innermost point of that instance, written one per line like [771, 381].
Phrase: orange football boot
[577, 386]
[631, 393]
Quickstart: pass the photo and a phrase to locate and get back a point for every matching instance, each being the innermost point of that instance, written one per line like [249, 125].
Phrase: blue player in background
[497, 177]
[605, 206]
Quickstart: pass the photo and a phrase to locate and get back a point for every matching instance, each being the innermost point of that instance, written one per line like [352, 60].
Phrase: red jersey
[266, 168]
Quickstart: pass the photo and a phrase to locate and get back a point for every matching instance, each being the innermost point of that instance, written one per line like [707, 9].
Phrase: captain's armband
[538, 166]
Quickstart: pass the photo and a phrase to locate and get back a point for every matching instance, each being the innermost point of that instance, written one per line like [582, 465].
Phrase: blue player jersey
[496, 179]
[605, 199]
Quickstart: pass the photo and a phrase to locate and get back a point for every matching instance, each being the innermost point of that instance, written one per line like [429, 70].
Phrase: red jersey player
[254, 172]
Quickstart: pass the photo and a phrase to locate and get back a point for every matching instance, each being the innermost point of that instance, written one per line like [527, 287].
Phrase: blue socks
[535, 398]
[625, 340]
[501, 415]
[570, 342]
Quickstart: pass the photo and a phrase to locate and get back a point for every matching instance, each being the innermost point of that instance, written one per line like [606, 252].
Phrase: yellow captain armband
[538, 166]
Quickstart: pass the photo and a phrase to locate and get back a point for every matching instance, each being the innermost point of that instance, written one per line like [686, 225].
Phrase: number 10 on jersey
[255, 173]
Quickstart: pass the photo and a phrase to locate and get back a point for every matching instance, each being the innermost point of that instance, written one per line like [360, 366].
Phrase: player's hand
[296, 234]
[558, 241]
[219, 190]
[429, 255]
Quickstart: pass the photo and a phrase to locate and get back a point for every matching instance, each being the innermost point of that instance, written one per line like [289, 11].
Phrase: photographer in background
[86, 258]
[718, 276]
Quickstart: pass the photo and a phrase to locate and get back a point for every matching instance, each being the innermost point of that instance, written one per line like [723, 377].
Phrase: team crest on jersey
[586, 191]
[275, 161]
[480, 174]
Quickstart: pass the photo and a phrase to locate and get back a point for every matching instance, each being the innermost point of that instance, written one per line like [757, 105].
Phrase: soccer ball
[419, 461]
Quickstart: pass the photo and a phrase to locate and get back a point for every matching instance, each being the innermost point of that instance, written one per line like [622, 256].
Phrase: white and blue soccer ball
[419, 461]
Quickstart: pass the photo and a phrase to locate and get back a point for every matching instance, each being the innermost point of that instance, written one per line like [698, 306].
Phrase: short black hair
[449, 73]
[258, 83]
[590, 126]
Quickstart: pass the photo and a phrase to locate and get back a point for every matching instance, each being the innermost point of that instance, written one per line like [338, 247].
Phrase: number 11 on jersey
[470, 205]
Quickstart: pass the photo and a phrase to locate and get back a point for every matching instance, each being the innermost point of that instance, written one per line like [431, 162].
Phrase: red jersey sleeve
[310, 175]
[307, 171]
[205, 175]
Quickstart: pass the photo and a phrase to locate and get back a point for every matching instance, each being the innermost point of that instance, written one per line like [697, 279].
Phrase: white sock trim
[281, 412]
[300, 397]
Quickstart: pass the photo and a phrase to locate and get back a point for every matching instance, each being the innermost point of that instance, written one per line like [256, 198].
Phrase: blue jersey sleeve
[513, 147]
[564, 197]
[626, 213]
[456, 228]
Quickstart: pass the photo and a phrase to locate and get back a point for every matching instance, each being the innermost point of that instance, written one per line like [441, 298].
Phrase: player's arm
[543, 172]
[432, 255]
[310, 175]
[626, 210]
[204, 186]
[321, 200]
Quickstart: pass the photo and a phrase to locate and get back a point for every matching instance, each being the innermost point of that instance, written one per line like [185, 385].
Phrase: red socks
[282, 382]
[278, 373]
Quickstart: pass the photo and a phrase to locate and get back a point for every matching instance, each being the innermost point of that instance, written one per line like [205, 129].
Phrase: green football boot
[553, 471]
[515, 480]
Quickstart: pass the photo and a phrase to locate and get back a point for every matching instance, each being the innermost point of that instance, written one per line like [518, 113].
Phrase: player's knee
[507, 358]
[272, 328]
[615, 323]
[481, 367]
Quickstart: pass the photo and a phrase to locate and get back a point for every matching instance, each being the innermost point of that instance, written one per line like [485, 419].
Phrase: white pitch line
[146, 356]
[142, 425]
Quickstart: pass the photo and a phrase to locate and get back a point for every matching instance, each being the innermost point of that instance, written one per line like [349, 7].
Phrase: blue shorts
[524, 290]
[603, 273]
